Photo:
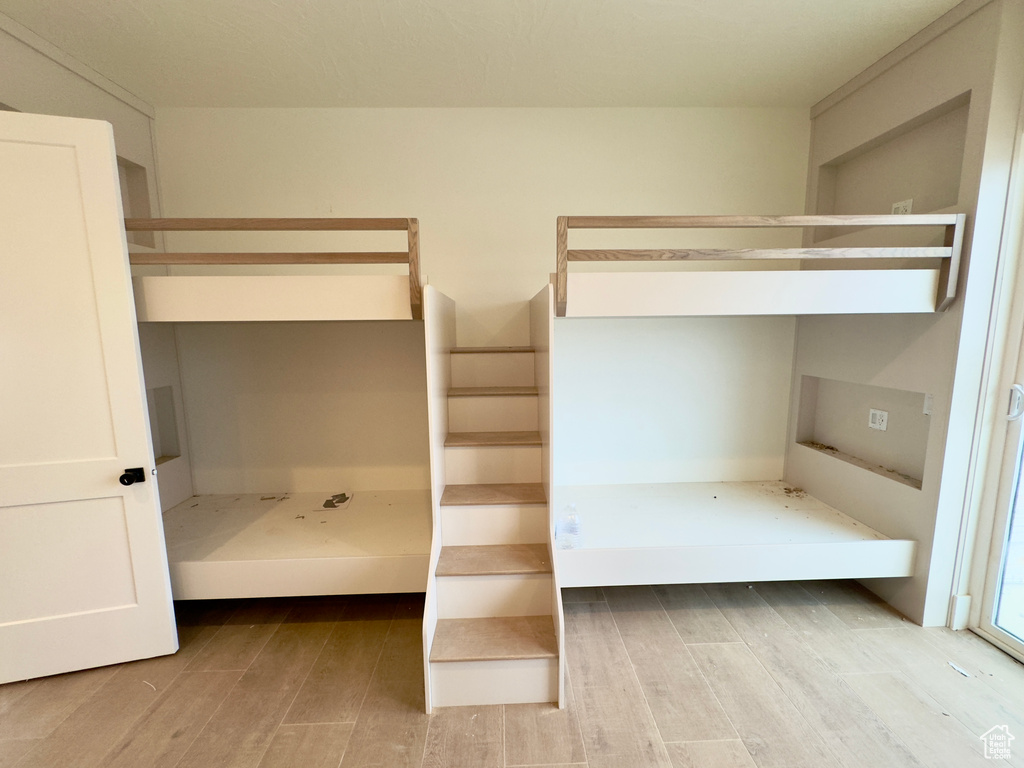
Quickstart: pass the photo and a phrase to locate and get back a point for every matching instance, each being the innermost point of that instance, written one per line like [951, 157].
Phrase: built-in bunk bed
[310, 528]
[731, 519]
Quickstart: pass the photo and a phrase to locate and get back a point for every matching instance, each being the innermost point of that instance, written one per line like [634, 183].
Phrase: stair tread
[489, 350]
[494, 559]
[497, 638]
[491, 391]
[468, 439]
[472, 494]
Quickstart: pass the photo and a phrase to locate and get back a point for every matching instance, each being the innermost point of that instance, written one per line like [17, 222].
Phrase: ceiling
[477, 53]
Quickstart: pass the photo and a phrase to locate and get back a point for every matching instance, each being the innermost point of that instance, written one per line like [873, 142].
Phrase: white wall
[486, 184]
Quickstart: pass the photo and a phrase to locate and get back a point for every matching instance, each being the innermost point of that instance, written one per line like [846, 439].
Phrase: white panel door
[83, 567]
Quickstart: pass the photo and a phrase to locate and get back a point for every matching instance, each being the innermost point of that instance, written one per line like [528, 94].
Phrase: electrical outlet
[929, 405]
[903, 207]
[878, 419]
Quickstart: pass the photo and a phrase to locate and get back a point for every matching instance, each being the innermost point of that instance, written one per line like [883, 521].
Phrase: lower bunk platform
[282, 545]
[692, 533]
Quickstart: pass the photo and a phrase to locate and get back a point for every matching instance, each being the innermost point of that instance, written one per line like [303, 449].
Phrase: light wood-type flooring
[777, 675]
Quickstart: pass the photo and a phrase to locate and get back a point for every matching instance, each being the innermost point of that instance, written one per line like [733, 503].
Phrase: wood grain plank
[167, 729]
[518, 391]
[264, 225]
[542, 734]
[415, 287]
[491, 350]
[677, 694]
[756, 254]
[105, 717]
[710, 754]
[336, 685]
[714, 222]
[936, 739]
[850, 730]
[998, 670]
[936, 672]
[494, 559]
[240, 731]
[49, 701]
[694, 615]
[465, 737]
[12, 750]
[465, 439]
[770, 726]
[582, 595]
[826, 634]
[617, 727]
[289, 257]
[854, 605]
[493, 638]
[242, 636]
[319, 745]
[561, 264]
[391, 728]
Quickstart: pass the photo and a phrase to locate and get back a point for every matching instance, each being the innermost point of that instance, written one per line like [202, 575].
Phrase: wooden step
[490, 350]
[494, 559]
[493, 392]
[494, 638]
[472, 494]
[472, 439]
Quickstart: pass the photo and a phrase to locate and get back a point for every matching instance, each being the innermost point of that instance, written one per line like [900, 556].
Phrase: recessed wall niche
[135, 199]
[835, 418]
[163, 424]
[920, 160]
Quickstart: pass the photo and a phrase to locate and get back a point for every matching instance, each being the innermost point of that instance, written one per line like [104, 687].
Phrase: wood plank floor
[779, 675]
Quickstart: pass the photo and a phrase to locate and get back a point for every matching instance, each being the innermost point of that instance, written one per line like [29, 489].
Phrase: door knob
[134, 475]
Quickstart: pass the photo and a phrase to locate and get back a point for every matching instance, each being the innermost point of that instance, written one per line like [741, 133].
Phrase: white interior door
[83, 567]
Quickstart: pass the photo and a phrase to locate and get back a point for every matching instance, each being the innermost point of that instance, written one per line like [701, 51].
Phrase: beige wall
[942, 355]
[38, 77]
[486, 184]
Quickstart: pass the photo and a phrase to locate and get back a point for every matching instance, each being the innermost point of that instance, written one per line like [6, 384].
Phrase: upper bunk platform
[283, 297]
[847, 279]
[693, 533]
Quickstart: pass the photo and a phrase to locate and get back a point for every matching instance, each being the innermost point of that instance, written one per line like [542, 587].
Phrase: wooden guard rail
[949, 252]
[410, 257]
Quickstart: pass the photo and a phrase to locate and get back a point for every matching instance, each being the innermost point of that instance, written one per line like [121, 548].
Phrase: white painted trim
[938, 27]
[478, 597]
[438, 340]
[55, 54]
[542, 339]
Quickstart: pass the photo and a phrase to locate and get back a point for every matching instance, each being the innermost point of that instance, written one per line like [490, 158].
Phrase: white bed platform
[679, 533]
[243, 298]
[275, 545]
[810, 292]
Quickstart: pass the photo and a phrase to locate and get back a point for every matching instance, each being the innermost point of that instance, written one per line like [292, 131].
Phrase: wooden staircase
[495, 640]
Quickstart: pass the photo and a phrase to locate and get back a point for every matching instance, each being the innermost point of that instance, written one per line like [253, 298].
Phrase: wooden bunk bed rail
[411, 256]
[948, 253]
